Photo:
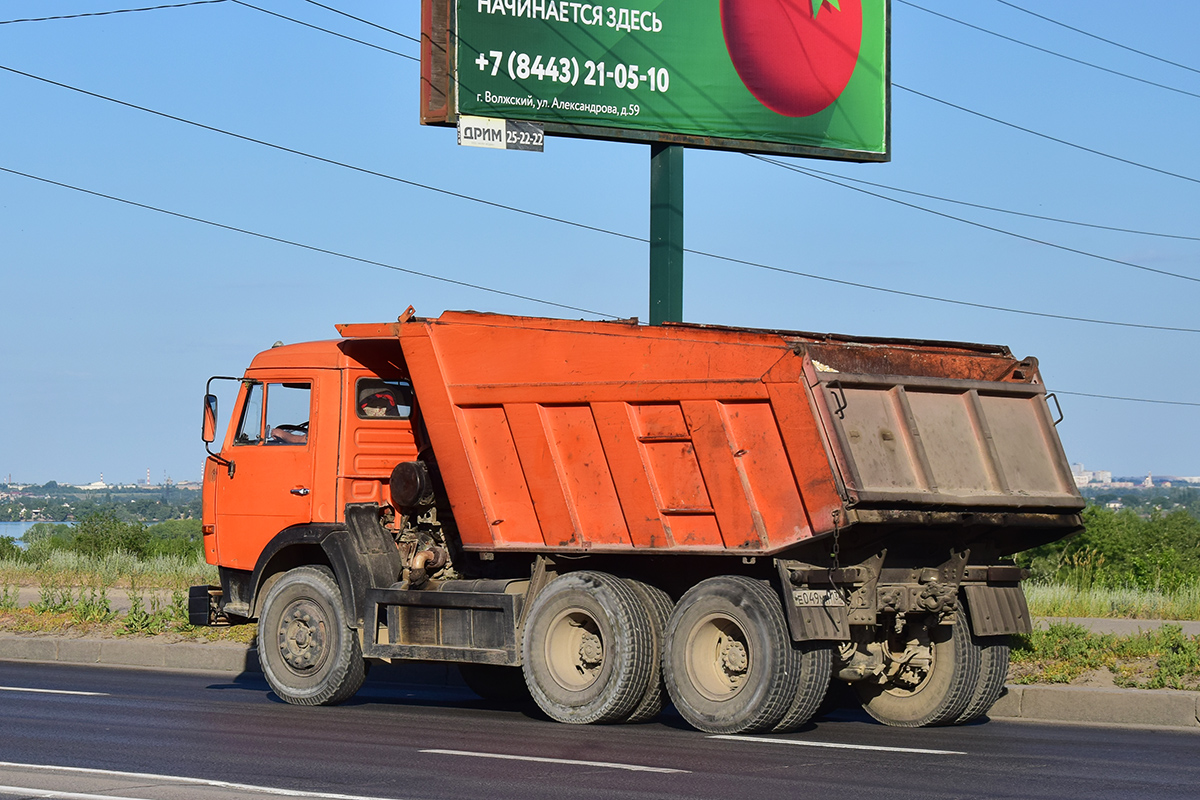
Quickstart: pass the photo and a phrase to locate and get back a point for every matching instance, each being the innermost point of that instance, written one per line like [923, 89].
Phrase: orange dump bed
[600, 436]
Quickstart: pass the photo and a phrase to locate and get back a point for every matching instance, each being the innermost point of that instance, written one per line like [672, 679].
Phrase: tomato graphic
[795, 56]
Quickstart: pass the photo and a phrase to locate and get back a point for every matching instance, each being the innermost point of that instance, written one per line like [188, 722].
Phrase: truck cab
[315, 427]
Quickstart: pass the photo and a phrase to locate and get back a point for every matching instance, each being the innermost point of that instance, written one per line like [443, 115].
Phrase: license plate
[820, 598]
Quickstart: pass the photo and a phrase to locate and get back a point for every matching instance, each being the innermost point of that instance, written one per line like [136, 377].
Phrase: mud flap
[997, 610]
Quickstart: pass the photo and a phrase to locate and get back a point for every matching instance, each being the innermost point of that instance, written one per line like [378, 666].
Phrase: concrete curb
[1078, 704]
[1086, 704]
[130, 653]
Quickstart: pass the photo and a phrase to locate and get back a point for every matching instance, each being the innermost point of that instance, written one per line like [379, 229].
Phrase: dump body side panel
[605, 437]
[555, 435]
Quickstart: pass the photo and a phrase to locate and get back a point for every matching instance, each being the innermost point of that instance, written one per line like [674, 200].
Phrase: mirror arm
[207, 445]
[222, 461]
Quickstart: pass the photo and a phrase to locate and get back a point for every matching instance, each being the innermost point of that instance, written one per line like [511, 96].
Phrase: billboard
[798, 77]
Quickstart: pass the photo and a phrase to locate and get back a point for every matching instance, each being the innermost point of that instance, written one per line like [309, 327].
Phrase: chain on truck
[610, 516]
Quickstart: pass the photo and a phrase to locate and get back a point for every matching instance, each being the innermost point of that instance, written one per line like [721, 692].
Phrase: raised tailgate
[938, 442]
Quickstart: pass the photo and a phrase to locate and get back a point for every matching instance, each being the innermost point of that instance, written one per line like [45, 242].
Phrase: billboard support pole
[666, 233]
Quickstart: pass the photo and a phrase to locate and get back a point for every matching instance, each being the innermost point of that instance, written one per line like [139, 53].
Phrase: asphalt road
[165, 735]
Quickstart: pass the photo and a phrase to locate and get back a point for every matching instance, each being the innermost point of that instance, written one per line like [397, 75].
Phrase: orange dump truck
[610, 516]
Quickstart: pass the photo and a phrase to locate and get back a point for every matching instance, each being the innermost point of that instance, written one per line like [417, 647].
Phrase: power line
[326, 30]
[822, 177]
[596, 229]
[1049, 52]
[1098, 38]
[1041, 135]
[1130, 399]
[935, 298]
[330, 161]
[1009, 211]
[303, 246]
[364, 21]
[490, 290]
[465, 284]
[896, 85]
[115, 11]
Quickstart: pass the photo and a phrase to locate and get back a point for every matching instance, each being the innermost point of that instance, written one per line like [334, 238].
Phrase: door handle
[300, 491]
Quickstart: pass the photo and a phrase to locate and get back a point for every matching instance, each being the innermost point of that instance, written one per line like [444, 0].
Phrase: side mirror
[209, 432]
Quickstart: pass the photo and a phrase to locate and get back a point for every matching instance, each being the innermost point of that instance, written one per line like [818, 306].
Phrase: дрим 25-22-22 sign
[808, 77]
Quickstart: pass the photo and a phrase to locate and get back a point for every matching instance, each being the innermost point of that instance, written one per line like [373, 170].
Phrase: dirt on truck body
[613, 516]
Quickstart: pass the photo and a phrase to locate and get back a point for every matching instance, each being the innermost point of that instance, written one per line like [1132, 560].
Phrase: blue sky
[112, 317]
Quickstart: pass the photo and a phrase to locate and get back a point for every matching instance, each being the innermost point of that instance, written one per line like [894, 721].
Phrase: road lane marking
[803, 743]
[26, 791]
[52, 691]
[241, 787]
[544, 760]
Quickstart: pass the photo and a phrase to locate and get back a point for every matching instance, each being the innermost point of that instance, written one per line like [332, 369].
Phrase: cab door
[272, 448]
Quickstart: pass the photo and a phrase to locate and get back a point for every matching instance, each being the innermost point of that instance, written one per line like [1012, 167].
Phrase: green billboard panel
[801, 76]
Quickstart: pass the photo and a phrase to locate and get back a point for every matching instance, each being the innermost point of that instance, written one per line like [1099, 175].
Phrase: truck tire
[927, 695]
[993, 672]
[816, 673]
[309, 653]
[587, 649]
[493, 682]
[729, 663]
[658, 605]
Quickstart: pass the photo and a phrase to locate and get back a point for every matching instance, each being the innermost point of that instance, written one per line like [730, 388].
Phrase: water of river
[17, 529]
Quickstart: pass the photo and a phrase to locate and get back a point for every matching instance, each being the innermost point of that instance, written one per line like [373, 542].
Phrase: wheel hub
[718, 657]
[591, 651]
[302, 636]
[574, 650]
[909, 669]
[735, 659]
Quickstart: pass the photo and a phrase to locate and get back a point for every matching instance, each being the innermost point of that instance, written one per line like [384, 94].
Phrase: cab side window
[275, 414]
[383, 398]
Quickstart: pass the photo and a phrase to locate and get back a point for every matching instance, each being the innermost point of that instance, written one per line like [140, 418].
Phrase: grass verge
[86, 610]
[113, 570]
[1057, 600]
[1165, 658]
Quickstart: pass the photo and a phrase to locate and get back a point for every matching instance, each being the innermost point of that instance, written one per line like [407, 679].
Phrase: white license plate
[807, 598]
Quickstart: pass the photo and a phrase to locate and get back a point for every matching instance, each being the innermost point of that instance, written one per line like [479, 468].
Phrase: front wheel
[931, 674]
[310, 655]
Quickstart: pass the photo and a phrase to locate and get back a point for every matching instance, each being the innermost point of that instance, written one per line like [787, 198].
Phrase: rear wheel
[816, 673]
[930, 676]
[658, 607]
[587, 649]
[993, 672]
[729, 663]
[310, 655]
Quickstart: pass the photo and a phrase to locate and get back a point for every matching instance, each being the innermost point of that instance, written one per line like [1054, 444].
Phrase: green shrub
[177, 537]
[102, 533]
[1122, 549]
[9, 548]
[9, 598]
[44, 538]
